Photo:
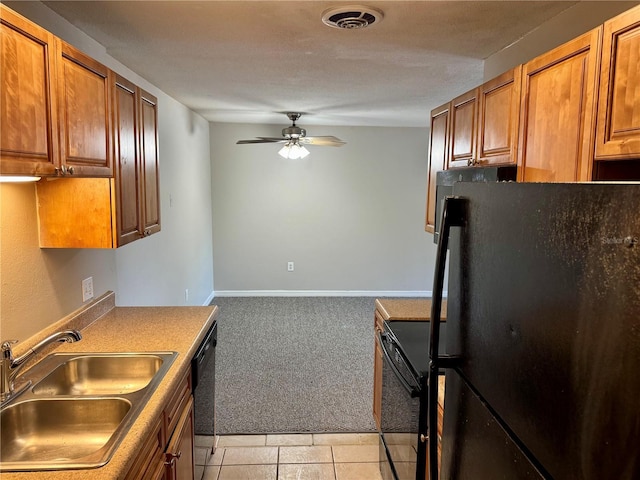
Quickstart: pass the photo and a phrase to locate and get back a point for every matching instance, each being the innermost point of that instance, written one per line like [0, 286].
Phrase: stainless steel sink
[99, 375]
[79, 409]
[43, 431]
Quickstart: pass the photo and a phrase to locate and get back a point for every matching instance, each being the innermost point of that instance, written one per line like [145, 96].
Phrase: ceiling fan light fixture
[293, 150]
[294, 137]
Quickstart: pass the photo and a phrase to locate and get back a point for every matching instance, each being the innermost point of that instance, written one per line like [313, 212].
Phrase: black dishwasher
[203, 383]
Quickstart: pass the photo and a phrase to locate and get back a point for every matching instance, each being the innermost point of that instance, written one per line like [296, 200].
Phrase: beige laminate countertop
[407, 308]
[136, 329]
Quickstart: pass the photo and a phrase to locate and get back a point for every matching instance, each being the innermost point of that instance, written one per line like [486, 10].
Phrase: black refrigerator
[542, 349]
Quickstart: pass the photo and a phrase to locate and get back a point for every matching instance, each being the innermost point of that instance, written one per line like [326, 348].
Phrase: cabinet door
[149, 162]
[149, 459]
[377, 385]
[179, 459]
[127, 162]
[618, 131]
[75, 212]
[28, 118]
[464, 110]
[438, 149]
[557, 121]
[84, 110]
[498, 117]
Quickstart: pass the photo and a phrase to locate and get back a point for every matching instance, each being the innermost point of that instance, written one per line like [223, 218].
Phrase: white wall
[41, 286]
[573, 22]
[351, 218]
[158, 269]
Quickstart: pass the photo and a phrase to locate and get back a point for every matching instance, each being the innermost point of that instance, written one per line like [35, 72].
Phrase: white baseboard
[209, 299]
[321, 293]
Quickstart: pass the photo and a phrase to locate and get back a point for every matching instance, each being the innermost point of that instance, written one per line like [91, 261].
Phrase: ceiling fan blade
[262, 140]
[326, 141]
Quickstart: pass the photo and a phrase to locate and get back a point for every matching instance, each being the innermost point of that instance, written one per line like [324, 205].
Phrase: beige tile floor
[317, 456]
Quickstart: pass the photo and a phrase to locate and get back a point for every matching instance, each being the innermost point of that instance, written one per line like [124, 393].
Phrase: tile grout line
[279, 455]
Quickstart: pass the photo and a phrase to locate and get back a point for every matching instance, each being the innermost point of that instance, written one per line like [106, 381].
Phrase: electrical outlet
[186, 294]
[289, 266]
[87, 289]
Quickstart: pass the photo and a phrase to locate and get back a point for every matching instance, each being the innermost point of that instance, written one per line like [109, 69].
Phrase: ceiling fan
[295, 138]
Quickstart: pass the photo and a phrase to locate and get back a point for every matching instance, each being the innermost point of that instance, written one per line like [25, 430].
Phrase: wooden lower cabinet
[377, 384]
[377, 370]
[178, 423]
[179, 459]
[441, 384]
[149, 463]
[167, 452]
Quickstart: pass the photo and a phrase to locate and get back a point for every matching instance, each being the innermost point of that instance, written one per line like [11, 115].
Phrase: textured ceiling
[245, 61]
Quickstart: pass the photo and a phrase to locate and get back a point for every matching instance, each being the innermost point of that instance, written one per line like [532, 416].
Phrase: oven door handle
[411, 390]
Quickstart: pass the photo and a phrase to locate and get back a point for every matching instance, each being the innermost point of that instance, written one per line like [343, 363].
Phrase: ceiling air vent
[351, 16]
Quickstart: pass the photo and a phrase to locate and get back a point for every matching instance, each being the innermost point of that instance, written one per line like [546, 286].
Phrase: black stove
[412, 339]
[404, 408]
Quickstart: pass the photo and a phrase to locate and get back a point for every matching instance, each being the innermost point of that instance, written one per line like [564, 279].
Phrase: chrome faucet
[11, 366]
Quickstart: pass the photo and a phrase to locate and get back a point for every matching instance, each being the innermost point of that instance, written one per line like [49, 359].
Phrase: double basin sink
[79, 408]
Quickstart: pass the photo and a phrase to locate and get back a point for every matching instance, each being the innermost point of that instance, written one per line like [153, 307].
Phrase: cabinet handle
[70, 170]
[172, 457]
[469, 162]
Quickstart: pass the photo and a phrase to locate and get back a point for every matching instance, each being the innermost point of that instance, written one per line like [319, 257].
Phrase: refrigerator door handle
[452, 216]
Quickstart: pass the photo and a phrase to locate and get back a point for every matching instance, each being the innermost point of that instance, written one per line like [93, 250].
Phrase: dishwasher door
[203, 369]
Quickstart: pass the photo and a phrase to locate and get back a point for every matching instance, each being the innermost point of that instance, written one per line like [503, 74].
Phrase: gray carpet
[294, 364]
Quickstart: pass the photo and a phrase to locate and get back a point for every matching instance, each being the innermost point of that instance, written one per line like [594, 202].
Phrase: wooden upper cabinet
[128, 194]
[498, 119]
[56, 106]
[149, 161]
[135, 117]
[84, 111]
[438, 154]
[484, 123]
[28, 116]
[462, 136]
[618, 130]
[109, 212]
[557, 117]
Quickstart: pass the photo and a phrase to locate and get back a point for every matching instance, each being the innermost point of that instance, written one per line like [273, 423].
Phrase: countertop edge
[418, 309]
